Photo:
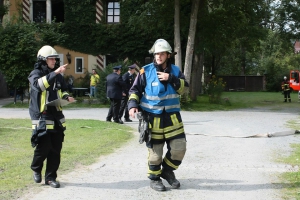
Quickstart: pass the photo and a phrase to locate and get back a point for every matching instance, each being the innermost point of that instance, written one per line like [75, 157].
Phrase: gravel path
[213, 168]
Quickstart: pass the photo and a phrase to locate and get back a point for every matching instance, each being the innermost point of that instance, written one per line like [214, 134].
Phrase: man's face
[51, 62]
[161, 57]
[94, 72]
[131, 70]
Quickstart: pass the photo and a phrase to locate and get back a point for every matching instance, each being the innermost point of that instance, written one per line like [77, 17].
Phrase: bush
[215, 88]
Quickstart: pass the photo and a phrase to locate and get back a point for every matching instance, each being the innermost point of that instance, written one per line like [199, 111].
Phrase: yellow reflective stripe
[64, 93]
[134, 96]
[181, 88]
[41, 84]
[50, 126]
[43, 101]
[174, 119]
[157, 137]
[59, 94]
[63, 124]
[170, 164]
[154, 172]
[171, 128]
[45, 81]
[174, 133]
[159, 130]
[156, 123]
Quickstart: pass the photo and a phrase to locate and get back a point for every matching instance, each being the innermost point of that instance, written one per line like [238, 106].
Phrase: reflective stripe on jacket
[157, 97]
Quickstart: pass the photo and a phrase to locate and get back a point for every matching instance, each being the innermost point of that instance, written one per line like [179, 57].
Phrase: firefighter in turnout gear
[48, 122]
[155, 92]
[285, 86]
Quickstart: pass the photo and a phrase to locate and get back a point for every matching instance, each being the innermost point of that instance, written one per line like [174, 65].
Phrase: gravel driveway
[214, 167]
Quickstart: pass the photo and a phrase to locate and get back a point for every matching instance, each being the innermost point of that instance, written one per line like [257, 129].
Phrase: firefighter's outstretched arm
[41, 82]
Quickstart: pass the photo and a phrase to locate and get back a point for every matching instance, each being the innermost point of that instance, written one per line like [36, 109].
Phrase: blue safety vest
[157, 97]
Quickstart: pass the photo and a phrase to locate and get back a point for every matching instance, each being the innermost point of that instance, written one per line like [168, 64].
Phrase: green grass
[85, 141]
[292, 179]
[239, 100]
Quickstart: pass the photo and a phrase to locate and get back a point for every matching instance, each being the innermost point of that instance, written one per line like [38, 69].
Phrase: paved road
[213, 168]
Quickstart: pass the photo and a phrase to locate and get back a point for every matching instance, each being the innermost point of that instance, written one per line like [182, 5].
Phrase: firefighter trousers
[48, 148]
[166, 129]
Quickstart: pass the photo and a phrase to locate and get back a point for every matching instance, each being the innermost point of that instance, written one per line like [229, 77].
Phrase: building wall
[88, 62]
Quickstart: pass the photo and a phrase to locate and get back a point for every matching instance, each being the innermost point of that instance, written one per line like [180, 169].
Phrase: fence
[244, 83]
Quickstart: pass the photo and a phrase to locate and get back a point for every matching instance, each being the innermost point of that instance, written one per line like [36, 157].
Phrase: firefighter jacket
[154, 95]
[285, 86]
[46, 86]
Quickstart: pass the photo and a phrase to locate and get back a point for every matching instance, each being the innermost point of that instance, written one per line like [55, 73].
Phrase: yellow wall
[12, 10]
[88, 62]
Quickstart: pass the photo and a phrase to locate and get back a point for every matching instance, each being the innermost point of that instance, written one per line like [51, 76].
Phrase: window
[39, 11]
[58, 12]
[113, 12]
[47, 11]
[78, 65]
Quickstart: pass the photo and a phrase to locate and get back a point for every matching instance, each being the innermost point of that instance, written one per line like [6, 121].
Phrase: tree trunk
[243, 60]
[1, 15]
[177, 42]
[190, 43]
[196, 81]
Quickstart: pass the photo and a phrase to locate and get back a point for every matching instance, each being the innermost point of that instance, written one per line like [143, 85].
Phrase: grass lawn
[85, 141]
[239, 100]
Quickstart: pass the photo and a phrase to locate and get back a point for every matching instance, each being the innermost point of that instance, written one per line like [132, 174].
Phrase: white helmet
[46, 52]
[284, 77]
[160, 45]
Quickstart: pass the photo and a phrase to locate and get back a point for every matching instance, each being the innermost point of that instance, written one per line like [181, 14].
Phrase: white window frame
[113, 15]
[82, 60]
[48, 10]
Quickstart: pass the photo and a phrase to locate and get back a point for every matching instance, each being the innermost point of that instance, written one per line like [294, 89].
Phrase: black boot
[157, 185]
[53, 183]
[170, 178]
[37, 177]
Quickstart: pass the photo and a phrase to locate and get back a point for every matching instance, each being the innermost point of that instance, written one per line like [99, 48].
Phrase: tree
[3, 10]
[177, 41]
[20, 43]
[17, 53]
[190, 44]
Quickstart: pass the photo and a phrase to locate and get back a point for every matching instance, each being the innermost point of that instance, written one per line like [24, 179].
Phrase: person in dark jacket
[155, 92]
[48, 122]
[128, 78]
[285, 86]
[115, 87]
